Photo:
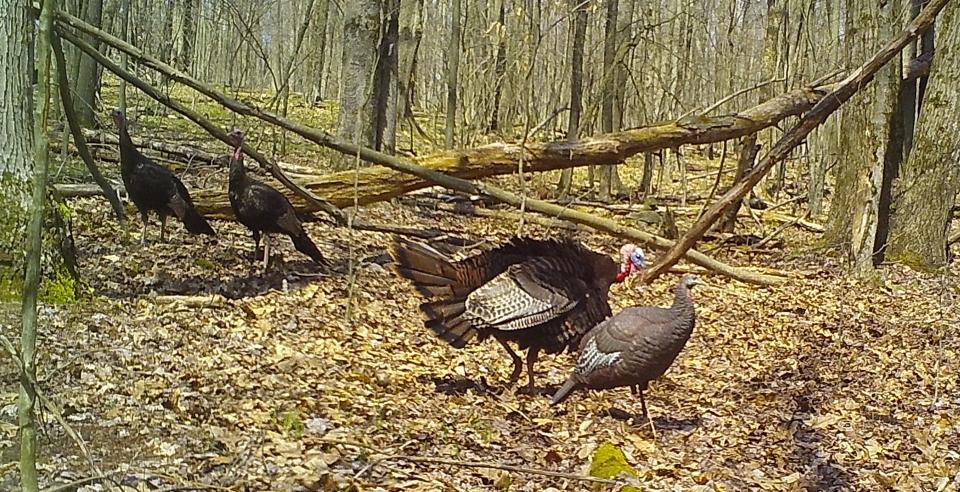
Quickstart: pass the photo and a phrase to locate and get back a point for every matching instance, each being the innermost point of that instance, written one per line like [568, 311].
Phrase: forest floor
[300, 379]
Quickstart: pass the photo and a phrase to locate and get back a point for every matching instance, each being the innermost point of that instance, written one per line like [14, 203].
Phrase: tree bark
[453, 68]
[578, 30]
[608, 94]
[748, 157]
[358, 109]
[500, 71]
[930, 179]
[386, 87]
[319, 34]
[87, 80]
[865, 141]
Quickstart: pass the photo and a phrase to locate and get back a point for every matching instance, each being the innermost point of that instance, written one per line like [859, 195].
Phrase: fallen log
[374, 184]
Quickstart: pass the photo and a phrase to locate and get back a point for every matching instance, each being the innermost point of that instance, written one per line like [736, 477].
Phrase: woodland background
[829, 360]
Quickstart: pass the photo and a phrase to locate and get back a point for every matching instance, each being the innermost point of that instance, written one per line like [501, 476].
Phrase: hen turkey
[153, 188]
[542, 295]
[634, 347]
[265, 210]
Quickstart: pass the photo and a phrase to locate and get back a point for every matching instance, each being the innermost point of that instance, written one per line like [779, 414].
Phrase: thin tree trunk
[320, 35]
[124, 62]
[453, 67]
[358, 110]
[87, 80]
[578, 29]
[500, 72]
[386, 87]
[748, 156]
[608, 94]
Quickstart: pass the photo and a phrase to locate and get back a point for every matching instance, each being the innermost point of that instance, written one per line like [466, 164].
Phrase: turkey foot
[637, 418]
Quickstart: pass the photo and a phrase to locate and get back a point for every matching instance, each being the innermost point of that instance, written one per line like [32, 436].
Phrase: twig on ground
[51, 406]
[494, 466]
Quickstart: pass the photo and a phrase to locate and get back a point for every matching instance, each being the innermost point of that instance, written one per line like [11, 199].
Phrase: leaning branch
[211, 128]
[793, 137]
[376, 184]
[67, 101]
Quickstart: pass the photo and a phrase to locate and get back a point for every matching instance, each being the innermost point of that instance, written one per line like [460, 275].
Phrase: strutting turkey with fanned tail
[634, 347]
[265, 210]
[153, 188]
[542, 295]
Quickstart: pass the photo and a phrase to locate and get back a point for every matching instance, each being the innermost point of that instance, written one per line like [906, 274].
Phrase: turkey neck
[238, 175]
[683, 309]
[128, 153]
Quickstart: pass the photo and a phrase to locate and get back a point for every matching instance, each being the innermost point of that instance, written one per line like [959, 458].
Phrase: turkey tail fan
[436, 277]
[305, 245]
[444, 319]
[195, 223]
[433, 274]
[564, 391]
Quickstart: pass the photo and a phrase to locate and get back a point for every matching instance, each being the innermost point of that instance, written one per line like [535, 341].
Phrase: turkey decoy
[634, 347]
[153, 188]
[265, 210]
[542, 295]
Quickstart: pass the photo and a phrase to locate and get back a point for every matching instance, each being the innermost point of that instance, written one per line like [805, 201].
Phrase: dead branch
[494, 466]
[378, 183]
[67, 100]
[793, 137]
[211, 128]
[180, 152]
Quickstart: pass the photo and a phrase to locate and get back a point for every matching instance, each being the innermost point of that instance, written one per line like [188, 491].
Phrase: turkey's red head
[236, 138]
[632, 258]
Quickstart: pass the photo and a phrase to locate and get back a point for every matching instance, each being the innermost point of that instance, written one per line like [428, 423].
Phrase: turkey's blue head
[631, 258]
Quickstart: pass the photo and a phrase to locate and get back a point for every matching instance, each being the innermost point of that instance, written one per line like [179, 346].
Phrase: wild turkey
[542, 295]
[265, 210]
[634, 347]
[153, 188]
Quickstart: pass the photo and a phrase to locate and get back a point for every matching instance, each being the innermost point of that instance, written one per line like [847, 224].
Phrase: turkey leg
[643, 408]
[531, 388]
[143, 230]
[163, 226]
[256, 244]
[266, 250]
[517, 362]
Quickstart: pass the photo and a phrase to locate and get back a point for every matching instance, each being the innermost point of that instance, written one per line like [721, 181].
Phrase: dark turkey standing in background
[153, 188]
[634, 347]
[265, 210]
[542, 295]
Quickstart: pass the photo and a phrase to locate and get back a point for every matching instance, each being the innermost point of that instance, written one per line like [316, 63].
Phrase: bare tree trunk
[453, 67]
[748, 156]
[608, 96]
[408, 45]
[768, 70]
[930, 179]
[578, 30]
[320, 43]
[386, 88]
[87, 81]
[865, 147]
[500, 73]
[188, 39]
[358, 109]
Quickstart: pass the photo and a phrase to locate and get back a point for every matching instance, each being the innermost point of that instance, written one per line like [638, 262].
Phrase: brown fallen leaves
[308, 382]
